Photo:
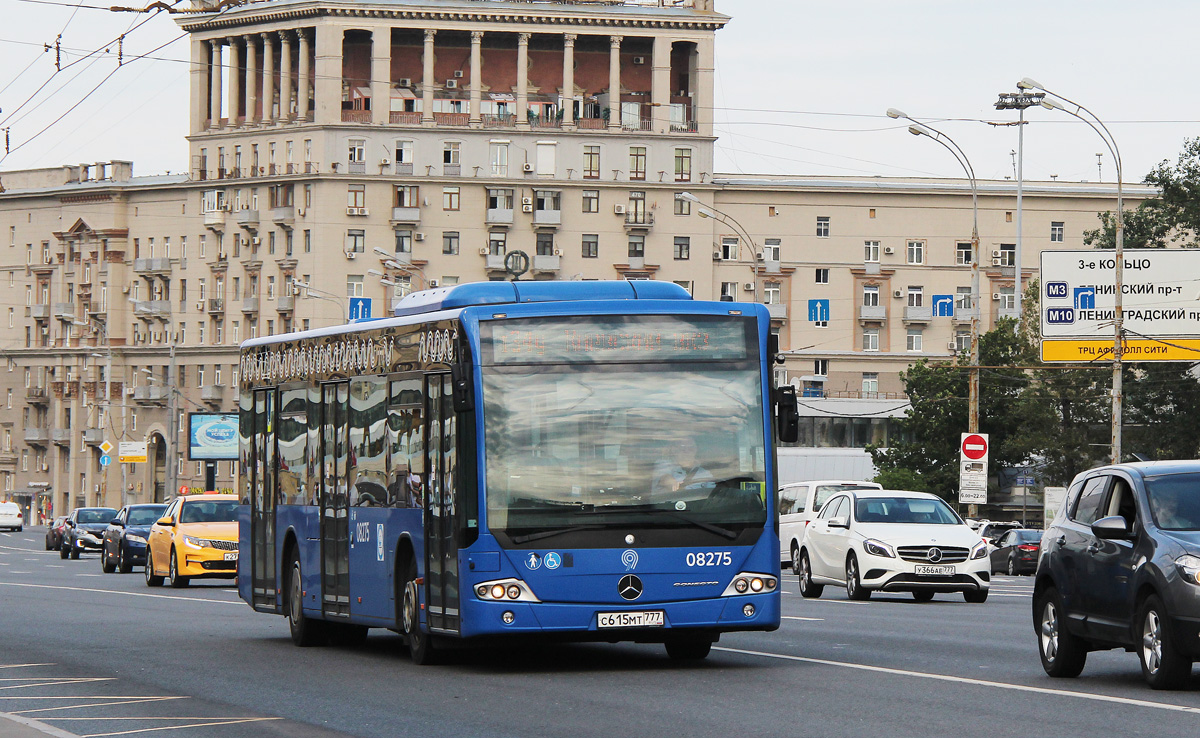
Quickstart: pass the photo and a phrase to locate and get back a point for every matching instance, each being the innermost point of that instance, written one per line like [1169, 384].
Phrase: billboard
[212, 436]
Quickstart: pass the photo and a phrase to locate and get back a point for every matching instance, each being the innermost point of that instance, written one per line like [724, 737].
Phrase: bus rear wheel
[420, 646]
[305, 631]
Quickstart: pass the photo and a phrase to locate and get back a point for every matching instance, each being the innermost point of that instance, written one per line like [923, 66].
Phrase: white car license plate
[642, 619]
[935, 571]
[231, 556]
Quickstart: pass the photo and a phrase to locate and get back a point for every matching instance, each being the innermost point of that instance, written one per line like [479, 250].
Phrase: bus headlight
[505, 590]
[751, 583]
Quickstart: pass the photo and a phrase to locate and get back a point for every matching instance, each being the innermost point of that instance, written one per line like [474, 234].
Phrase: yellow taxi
[196, 537]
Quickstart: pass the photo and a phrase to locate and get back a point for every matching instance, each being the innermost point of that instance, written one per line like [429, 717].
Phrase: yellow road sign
[1076, 351]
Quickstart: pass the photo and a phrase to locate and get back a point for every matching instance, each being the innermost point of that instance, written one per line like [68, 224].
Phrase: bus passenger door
[334, 501]
[441, 547]
[262, 501]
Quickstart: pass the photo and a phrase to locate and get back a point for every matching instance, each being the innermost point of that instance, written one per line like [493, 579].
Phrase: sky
[801, 86]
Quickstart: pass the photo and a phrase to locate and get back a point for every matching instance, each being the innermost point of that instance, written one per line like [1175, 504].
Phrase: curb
[29, 728]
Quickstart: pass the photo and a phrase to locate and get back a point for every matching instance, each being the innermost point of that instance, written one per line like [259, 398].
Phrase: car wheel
[107, 565]
[63, 552]
[152, 579]
[73, 550]
[923, 595]
[123, 563]
[1063, 653]
[1012, 567]
[688, 649]
[808, 588]
[854, 588]
[420, 646]
[48, 546]
[304, 630]
[976, 596]
[1163, 665]
[173, 572]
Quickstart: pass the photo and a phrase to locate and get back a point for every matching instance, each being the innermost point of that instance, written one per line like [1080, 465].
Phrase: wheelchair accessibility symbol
[553, 560]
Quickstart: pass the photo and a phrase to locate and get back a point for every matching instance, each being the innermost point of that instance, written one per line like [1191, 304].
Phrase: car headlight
[1189, 567]
[505, 590]
[135, 539]
[197, 542]
[878, 548]
[979, 551]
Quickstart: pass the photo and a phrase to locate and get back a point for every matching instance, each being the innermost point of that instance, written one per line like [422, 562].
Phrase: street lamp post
[1019, 101]
[310, 291]
[709, 211]
[922, 129]
[1105, 135]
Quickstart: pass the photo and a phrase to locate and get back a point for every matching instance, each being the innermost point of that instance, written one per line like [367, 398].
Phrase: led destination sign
[612, 339]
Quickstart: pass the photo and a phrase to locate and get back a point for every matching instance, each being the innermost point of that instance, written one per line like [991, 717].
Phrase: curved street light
[708, 211]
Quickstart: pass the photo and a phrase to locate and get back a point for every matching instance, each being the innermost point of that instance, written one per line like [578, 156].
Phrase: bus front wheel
[420, 648]
[688, 649]
[305, 631]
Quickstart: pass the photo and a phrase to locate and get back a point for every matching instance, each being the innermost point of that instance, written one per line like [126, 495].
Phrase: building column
[614, 82]
[285, 75]
[201, 56]
[522, 80]
[268, 78]
[660, 86]
[235, 82]
[252, 80]
[703, 94]
[476, 75]
[305, 81]
[327, 74]
[427, 78]
[381, 75]
[215, 90]
[568, 95]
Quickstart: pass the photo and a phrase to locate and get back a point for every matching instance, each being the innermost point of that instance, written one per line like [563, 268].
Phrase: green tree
[902, 479]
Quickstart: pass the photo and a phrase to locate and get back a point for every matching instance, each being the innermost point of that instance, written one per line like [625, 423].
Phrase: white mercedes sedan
[892, 541]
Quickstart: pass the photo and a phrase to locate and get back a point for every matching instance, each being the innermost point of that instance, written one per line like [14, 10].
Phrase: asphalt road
[103, 655]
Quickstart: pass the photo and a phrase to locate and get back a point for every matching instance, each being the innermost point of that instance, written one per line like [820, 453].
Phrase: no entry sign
[973, 469]
[974, 446]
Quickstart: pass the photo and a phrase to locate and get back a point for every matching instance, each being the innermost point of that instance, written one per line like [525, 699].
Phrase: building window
[962, 254]
[404, 241]
[870, 383]
[821, 367]
[450, 242]
[729, 290]
[729, 248]
[356, 153]
[1008, 298]
[408, 196]
[499, 156]
[916, 296]
[870, 251]
[636, 212]
[404, 154]
[356, 196]
[546, 158]
[870, 295]
[686, 284]
[772, 293]
[962, 340]
[547, 200]
[500, 199]
[683, 248]
[637, 246]
[307, 241]
[771, 249]
[591, 245]
[637, 162]
[870, 339]
[1057, 231]
[591, 162]
[682, 206]
[916, 252]
[1008, 254]
[271, 287]
[915, 340]
[356, 241]
[822, 226]
[451, 152]
[591, 201]
[544, 243]
[497, 243]
[683, 165]
[354, 285]
[450, 198]
[822, 276]
[962, 298]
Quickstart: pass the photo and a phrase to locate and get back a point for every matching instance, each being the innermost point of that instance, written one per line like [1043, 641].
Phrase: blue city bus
[567, 460]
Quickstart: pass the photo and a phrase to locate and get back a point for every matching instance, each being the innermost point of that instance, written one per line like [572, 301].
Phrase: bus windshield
[573, 450]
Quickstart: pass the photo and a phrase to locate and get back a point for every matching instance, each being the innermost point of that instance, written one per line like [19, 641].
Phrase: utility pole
[1019, 101]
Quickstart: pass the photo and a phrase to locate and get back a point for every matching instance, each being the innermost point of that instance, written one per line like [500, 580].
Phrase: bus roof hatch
[499, 293]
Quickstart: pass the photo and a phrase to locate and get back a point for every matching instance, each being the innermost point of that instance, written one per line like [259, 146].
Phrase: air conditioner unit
[404, 82]
[256, 241]
[897, 293]
[483, 251]
[716, 256]
[526, 208]
[619, 209]
[639, 60]
[748, 286]
[889, 250]
[385, 162]
[995, 254]
[222, 256]
[997, 262]
[458, 74]
[125, 290]
[558, 252]
[451, 84]
[351, 255]
[47, 259]
[129, 391]
[200, 306]
[526, 200]
[527, 167]
[433, 283]
[45, 467]
[419, 236]
[995, 295]
[952, 346]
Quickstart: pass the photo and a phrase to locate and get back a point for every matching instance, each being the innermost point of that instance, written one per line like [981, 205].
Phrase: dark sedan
[85, 528]
[124, 544]
[1016, 552]
[54, 533]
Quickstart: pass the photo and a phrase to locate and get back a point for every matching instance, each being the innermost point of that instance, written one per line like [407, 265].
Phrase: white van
[799, 503]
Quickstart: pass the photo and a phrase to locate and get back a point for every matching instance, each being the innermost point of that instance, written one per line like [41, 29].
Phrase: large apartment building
[343, 150]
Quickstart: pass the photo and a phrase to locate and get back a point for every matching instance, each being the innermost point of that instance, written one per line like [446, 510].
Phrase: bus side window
[405, 444]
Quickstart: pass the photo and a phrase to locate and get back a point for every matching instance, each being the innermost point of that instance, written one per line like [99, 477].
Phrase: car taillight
[1027, 547]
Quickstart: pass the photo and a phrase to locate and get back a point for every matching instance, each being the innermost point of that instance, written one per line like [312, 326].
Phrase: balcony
[37, 436]
[214, 220]
[404, 118]
[356, 167]
[284, 216]
[494, 262]
[247, 219]
[151, 267]
[452, 119]
[547, 218]
[93, 436]
[591, 124]
[64, 311]
[965, 314]
[149, 309]
[872, 312]
[499, 121]
[403, 168]
[777, 310]
[451, 170]
[216, 306]
[39, 312]
[918, 314]
[689, 126]
[499, 216]
[214, 393]
[406, 215]
[150, 393]
[637, 124]
[61, 436]
[635, 220]
[1007, 311]
[546, 262]
[36, 395]
[250, 305]
[356, 116]
[285, 303]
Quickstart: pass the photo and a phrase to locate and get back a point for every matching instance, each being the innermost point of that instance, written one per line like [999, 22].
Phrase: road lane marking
[136, 701]
[181, 727]
[127, 594]
[21, 666]
[89, 575]
[967, 680]
[797, 617]
[80, 680]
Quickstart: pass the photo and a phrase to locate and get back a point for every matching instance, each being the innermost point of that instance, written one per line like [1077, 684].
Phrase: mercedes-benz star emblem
[935, 554]
[630, 587]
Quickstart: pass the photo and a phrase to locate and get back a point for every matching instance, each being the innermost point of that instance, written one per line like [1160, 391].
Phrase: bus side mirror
[787, 413]
[460, 381]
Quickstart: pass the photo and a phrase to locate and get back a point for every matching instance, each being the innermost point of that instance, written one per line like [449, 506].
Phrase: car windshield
[904, 510]
[1029, 536]
[825, 491]
[102, 515]
[145, 515]
[209, 511]
[1175, 501]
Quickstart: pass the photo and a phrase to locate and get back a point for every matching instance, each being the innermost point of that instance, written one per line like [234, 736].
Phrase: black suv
[1120, 568]
[85, 529]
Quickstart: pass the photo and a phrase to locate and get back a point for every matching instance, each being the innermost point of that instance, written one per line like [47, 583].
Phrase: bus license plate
[935, 571]
[643, 619]
[231, 556]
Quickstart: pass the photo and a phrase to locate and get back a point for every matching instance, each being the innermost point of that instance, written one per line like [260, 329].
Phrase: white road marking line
[21, 666]
[796, 617]
[127, 594]
[97, 704]
[19, 572]
[80, 680]
[79, 697]
[197, 717]
[89, 575]
[967, 680]
[181, 727]
[56, 566]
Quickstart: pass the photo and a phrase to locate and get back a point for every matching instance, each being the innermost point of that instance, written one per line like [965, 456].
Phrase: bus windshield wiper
[724, 532]
[556, 532]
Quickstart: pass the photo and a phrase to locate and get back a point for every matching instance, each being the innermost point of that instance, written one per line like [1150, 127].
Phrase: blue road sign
[818, 310]
[1057, 289]
[1085, 298]
[943, 306]
[360, 308]
[105, 460]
